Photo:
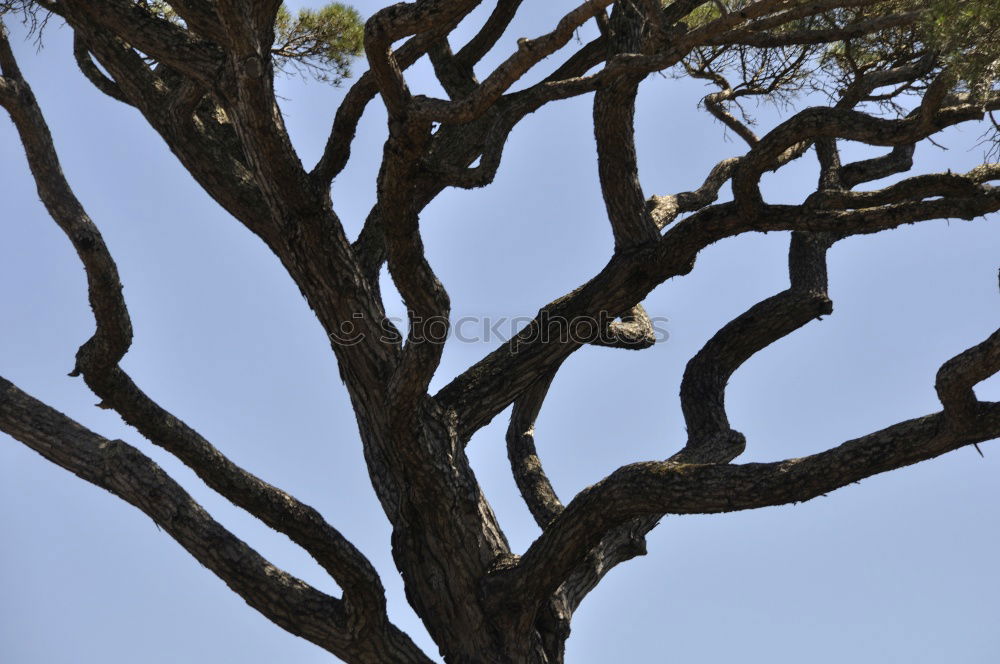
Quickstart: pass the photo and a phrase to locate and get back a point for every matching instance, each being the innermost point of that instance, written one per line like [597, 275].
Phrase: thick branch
[338, 145]
[490, 33]
[395, 22]
[678, 488]
[665, 209]
[426, 300]
[710, 438]
[703, 388]
[617, 164]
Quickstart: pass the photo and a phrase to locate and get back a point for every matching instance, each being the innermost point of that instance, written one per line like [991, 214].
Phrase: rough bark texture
[205, 85]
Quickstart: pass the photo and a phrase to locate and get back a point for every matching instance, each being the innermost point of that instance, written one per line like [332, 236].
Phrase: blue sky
[899, 568]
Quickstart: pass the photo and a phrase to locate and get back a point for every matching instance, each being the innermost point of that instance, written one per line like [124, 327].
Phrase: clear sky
[900, 568]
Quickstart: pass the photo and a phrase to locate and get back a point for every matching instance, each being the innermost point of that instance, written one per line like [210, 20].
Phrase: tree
[202, 75]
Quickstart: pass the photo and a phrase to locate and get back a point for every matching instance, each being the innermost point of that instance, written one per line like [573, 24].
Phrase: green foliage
[702, 15]
[962, 37]
[321, 42]
[967, 34]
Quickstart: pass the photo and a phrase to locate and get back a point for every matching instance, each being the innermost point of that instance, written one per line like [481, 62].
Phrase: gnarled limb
[690, 488]
[711, 440]
[681, 488]
[847, 124]
[710, 437]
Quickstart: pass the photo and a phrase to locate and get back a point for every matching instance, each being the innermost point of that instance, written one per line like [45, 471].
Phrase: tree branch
[537, 491]
[528, 54]
[93, 73]
[98, 361]
[761, 39]
[819, 122]
[493, 383]
[156, 37]
[614, 131]
[710, 437]
[958, 376]
[487, 37]
[679, 488]
[124, 471]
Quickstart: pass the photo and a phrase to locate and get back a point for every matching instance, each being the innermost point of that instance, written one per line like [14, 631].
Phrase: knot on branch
[252, 67]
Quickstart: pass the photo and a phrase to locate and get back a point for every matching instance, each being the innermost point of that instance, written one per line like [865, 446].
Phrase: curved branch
[679, 488]
[487, 37]
[710, 438]
[337, 150]
[614, 131]
[425, 297]
[401, 20]
[665, 209]
[703, 388]
[114, 330]
[614, 111]
[345, 122]
[537, 491]
[713, 102]
[958, 376]
[911, 189]
[898, 160]
[820, 122]
[83, 60]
